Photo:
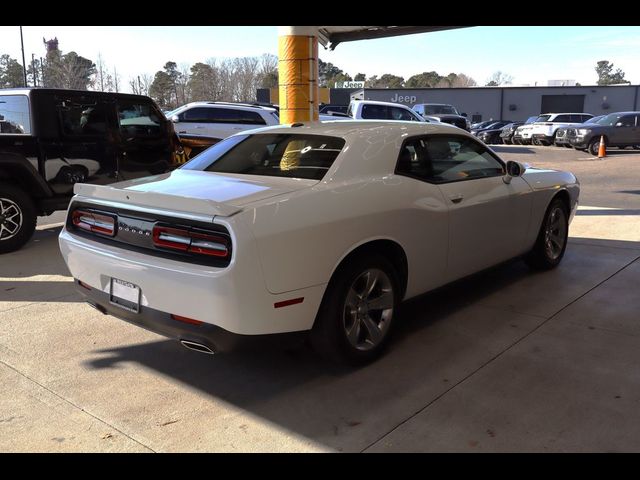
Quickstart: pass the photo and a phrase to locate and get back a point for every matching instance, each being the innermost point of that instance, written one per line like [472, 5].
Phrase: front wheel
[17, 218]
[356, 315]
[552, 238]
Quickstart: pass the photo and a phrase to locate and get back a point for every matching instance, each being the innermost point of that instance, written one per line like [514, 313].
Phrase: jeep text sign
[404, 98]
[349, 84]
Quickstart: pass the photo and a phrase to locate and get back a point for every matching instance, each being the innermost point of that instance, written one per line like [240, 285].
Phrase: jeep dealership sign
[349, 85]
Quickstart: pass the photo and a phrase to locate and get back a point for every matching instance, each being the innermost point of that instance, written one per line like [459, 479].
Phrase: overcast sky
[528, 54]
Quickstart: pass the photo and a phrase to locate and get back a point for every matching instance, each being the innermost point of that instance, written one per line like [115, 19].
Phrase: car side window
[196, 115]
[375, 112]
[14, 114]
[401, 114]
[627, 121]
[252, 118]
[563, 118]
[225, 115]
[444, 159]
[139, 119]
[82, 116]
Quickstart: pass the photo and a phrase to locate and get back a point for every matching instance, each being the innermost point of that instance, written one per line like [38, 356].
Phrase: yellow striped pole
[298, 74]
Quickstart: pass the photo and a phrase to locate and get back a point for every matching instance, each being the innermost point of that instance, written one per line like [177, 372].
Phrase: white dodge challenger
[319, 229]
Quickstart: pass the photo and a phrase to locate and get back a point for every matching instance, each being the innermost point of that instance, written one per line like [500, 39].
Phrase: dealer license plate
[125, 295]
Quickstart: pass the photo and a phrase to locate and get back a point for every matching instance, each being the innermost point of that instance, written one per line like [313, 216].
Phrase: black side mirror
[463, 114]
[514, 169]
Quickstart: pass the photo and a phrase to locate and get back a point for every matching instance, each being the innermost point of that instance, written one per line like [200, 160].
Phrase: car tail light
[94, 222]
[191, 241]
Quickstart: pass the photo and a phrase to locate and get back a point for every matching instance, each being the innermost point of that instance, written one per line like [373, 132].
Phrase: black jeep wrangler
[51, 139]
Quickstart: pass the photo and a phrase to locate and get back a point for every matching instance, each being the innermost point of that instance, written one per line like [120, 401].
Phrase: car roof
[347, 128]
[63, 91]
[236, 105]
[376, 102]
[566, 113]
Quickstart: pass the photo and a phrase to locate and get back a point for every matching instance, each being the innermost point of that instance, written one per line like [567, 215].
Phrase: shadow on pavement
[440, 339]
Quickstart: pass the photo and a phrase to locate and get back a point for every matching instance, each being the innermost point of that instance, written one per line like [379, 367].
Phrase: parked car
[374, 110]
[52, 139]
[522, 134]
[561, 134]
[221, 119]
[506, 134]
[543, 130]
[491, 133]
[315, 228]
[445, 113]
[620, 129]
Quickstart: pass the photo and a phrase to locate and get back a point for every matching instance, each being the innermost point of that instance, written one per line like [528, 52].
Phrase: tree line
[227, 79]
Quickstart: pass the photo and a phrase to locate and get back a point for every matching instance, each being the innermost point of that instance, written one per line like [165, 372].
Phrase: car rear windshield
[273, 155]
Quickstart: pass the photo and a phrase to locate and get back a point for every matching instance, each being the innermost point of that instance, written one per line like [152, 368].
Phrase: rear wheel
[17, 218]
[356, 315]
[552, 238]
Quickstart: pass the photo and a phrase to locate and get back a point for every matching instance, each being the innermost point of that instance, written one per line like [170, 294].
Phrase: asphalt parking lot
[507, 360]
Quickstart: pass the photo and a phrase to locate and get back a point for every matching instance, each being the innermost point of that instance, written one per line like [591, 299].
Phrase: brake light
[94, 222]
[191, 241]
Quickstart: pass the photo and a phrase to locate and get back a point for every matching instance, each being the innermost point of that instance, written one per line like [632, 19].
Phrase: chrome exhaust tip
[198, 347]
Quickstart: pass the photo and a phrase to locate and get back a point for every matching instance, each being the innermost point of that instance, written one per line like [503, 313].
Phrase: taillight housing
[196, 241]
[94, 222]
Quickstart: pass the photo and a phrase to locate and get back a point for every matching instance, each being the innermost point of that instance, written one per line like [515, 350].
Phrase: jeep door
[84, 152]
[144, 143]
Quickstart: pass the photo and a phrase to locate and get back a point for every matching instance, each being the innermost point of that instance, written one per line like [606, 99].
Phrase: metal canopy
[330, 37]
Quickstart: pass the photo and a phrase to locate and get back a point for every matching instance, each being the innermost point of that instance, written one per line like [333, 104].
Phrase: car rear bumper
[215, 338]
[234, 298]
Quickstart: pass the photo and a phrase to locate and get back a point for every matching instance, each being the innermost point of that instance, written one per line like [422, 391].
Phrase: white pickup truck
[374, 110]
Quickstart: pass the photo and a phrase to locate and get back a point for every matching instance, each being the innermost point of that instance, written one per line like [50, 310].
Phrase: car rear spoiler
[156, 200]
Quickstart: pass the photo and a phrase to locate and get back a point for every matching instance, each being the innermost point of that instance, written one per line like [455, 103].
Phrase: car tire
[567, 145]
[636, 147]
[347, 329]
[552, 238]
[594, 146]
[506, 141]
[17, 218]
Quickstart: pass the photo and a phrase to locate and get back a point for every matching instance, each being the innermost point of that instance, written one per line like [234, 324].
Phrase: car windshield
[531, 119]
[610, 119]
[440, 110]
[594, 119]
[272, 155]
[543, 118]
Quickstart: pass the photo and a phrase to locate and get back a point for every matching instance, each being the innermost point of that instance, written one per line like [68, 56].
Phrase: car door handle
[199, 127]
[456, 198]
[237, 128]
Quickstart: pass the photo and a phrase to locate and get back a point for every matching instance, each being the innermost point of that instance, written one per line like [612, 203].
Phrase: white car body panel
[290, 235]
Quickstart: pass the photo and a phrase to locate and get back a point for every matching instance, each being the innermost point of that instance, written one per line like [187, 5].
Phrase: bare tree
[116, 80]
[183, 82]
[463, 80]
[499, 78]
[100, 73]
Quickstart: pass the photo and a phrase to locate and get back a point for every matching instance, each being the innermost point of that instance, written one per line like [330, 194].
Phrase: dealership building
[487, 103]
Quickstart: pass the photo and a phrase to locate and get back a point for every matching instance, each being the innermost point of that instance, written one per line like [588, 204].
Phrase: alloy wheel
[368, 309]
[555, 234]
[10, 219]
